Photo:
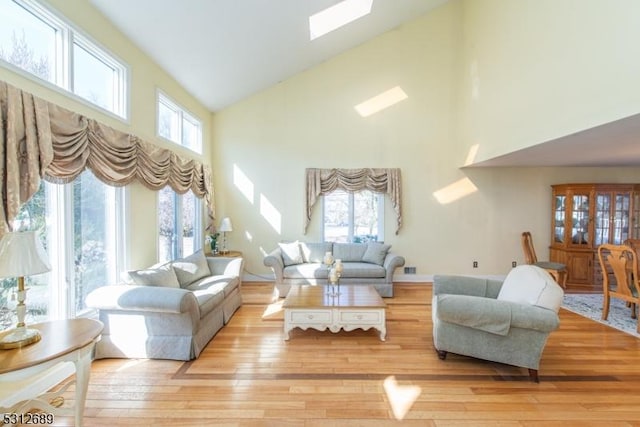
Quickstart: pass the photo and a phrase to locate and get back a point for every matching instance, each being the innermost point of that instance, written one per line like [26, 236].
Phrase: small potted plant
[212, 241]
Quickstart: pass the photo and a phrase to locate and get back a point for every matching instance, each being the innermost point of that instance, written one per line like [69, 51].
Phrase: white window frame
[67, 36]
[351, 214]
[183, 115]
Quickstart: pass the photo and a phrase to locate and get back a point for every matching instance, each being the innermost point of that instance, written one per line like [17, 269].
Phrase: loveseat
[301, 263]
[502, 321]
[168, 311]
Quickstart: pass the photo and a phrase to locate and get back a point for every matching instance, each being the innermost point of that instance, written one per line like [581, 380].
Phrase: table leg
[83, 369]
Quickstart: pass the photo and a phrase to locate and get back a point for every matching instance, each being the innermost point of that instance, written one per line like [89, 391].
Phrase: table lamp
[225, 226]
[21, 254]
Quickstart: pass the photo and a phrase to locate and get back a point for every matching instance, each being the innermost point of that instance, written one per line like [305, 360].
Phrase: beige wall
[145, 79]
[263, 144]
[536, 70]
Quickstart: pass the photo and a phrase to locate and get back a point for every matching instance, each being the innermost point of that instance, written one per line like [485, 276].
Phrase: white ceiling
[223, 51]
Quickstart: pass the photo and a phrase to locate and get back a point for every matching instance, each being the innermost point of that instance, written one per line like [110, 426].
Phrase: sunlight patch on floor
[272, 309]
[401, 397]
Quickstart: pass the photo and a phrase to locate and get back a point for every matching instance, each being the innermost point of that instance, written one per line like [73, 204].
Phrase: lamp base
[18, 337]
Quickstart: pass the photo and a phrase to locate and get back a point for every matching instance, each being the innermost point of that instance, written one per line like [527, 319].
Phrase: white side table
[70, 340]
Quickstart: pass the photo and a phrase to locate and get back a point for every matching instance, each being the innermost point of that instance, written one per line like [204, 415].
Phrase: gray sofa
[300, 263]
[168, 311]
[478, 318]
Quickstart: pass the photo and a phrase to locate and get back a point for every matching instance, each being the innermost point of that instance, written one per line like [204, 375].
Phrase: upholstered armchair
[501, 321]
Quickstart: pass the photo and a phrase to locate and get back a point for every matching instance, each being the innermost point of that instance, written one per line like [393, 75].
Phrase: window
[353, 217]
[32, 216]
[180, 224]
[177, 125]
[80, 226]
[38, 41]
[94, 241]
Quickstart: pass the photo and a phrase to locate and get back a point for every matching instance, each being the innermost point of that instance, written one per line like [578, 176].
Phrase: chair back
[619, 262]
[527, 247]
[635, 245]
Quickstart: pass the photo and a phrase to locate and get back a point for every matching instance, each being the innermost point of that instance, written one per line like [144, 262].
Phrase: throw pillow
[291, 253]
[349, 252]
[314, 252]
[528, 284]
[163, 276]
[376, 253]
[191, 268]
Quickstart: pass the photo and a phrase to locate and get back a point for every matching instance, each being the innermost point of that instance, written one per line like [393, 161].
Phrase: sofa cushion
[229, 283]
[314, 252]
[363, 270]
[209, 298]
[291, 253]
[376, 253]
[349, 252]
[528, 284]
[351, 270]
[191, 268]
[163, 276]
[307, 270]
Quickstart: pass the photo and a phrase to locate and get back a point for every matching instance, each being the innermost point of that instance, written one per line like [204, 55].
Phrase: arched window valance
[323, 181]
[40, 140]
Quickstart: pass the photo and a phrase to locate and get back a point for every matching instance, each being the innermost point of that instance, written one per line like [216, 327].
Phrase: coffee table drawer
[311, 316]
[366, 317]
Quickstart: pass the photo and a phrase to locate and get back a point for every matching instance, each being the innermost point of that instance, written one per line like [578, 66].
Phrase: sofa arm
[274, 260]
[465, 285]
[391, 262]
[223, 266]
[491, 315]
[143, 298]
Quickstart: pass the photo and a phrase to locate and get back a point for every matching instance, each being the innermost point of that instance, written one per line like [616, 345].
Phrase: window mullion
[351, 216]
[177, 226]
[64, 61]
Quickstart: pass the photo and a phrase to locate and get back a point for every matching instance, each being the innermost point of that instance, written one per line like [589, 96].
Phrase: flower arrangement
[211, 240]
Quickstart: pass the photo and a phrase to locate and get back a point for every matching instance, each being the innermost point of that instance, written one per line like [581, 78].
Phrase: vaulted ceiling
[223, 51]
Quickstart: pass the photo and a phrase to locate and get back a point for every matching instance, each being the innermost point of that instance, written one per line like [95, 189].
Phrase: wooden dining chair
[556, 269]
[619, 265]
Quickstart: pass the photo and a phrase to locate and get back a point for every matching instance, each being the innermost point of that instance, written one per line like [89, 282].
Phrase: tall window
[177, 125]
[96, 222]
[80, 225]
[38, 41]
[353, 217]
[180, 224]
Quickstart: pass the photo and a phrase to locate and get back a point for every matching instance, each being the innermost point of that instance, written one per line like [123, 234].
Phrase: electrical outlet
[409, 270]
[514, 263]
[475, 264]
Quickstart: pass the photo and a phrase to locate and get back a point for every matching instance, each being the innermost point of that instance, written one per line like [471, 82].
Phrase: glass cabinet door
[635, 227]
[580, 220]
[558, 218]
[602, 219]
[620, 225]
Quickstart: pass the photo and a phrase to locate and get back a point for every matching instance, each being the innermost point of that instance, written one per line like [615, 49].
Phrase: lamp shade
[225, 225]
[22, 254]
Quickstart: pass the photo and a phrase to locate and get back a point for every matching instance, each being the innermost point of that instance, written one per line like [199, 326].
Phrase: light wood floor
[249, 376]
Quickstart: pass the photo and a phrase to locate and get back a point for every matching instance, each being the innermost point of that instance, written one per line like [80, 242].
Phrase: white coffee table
[356, 307]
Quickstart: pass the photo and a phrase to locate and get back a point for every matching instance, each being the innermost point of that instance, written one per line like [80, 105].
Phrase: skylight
[337, 16]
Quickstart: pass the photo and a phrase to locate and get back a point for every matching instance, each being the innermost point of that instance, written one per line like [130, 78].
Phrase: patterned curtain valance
[323, 181]
[39, 140]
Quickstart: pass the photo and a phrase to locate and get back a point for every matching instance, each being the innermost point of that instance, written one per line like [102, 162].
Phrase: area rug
[590, 306]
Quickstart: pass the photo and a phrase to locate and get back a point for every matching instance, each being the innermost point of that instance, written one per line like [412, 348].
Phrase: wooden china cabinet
[583, 217]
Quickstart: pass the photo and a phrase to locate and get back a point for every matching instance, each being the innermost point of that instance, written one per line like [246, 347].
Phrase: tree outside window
[353, 217]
